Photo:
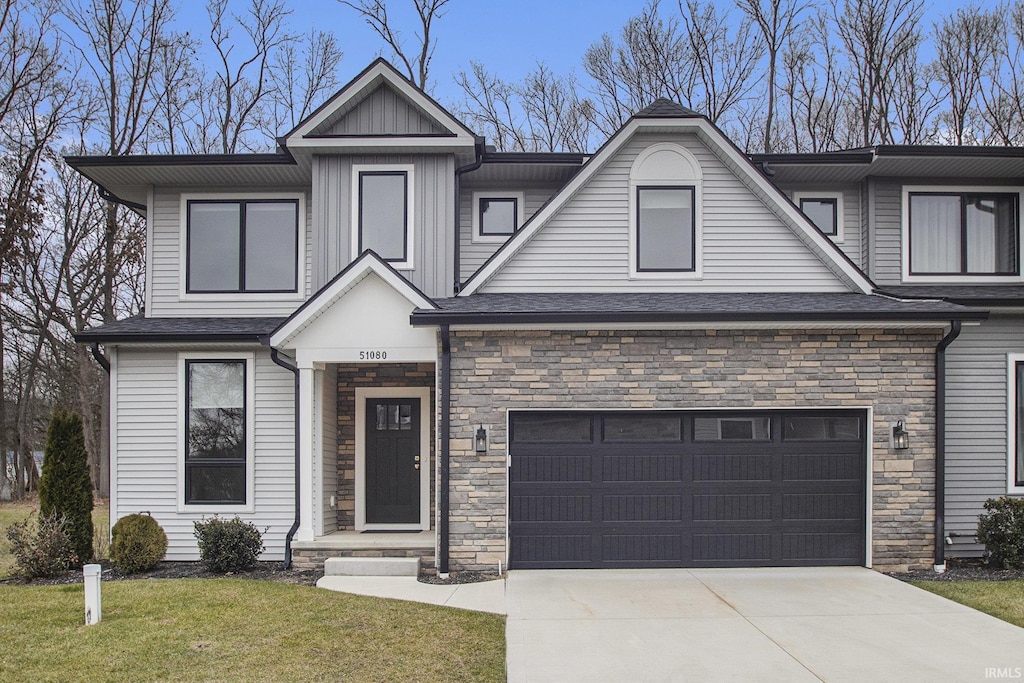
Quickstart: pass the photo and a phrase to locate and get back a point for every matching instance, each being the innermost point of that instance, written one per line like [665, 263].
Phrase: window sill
[962, 279]
[207, 509]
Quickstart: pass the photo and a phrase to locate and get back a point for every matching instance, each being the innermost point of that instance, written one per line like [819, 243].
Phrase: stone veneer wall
[892, 371]
[373, 375]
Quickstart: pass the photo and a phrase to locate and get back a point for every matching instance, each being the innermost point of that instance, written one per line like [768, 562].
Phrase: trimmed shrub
[138, 544]
[64, 486]
[41, 546]
[1001, 529]
[228, 545]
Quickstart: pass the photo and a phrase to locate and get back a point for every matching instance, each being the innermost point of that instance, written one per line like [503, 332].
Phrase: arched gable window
[665, 213]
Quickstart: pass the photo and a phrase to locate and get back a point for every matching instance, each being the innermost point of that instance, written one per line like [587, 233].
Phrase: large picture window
[963, 233]
[383, 214]
[215, 432]
[665, 228]
[242, 246]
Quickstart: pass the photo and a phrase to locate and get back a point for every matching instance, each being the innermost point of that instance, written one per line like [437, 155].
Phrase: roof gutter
[940, 444]
[478, 149]
[100, 358]
[109, 196]
[275, 356]
[443, 498]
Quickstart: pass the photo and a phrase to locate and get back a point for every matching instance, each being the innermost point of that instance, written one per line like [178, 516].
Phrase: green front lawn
[1002, 599]
[239, 630]
[16, 511]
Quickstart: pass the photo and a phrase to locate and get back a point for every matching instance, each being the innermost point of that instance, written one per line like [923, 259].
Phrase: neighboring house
[644, 357]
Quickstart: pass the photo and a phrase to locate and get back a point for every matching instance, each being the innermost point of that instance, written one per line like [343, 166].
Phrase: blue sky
[507, 36]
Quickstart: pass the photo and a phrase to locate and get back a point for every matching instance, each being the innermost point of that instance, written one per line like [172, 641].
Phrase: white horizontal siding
[167, 268]
[433, 218]
[146, 461]
[976, 428]
[853, 229]
[585, 246]
[472, 254]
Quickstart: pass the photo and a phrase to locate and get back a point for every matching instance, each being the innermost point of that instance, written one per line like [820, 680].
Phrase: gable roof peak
[665, 108]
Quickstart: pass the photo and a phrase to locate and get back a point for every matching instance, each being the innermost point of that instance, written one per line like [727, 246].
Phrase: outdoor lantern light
[900, 437]
[481, 439]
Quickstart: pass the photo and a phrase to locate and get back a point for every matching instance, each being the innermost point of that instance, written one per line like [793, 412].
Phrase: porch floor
[371, 540]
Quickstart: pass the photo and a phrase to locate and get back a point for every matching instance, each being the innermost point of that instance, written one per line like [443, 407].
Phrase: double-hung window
[1015, 422]
[666, 236]
[242, 246]
[216, 453]
[963, 233]
[382, 207]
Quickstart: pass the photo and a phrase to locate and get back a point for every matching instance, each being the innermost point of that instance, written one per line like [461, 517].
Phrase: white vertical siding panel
[166, 263]
[146, 424]
[976, 428]
[584, 247]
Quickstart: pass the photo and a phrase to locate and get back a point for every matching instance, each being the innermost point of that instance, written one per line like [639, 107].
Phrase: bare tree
[416, 59]
[777, 20]
[302, 74]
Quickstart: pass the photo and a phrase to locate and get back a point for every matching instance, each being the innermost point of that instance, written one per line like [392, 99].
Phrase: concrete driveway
[827, 624]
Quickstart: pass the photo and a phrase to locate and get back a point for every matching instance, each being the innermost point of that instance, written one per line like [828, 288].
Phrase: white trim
[249, 358]
[363, 393]
[519, 197]
[1011, 423]
[318, 452]
[868, 436]
[831, 194]
[112, 438]
[325, 298]
[410, 208]
[956, 278]
[306, 436]
[148, 276]
[300, 272]
[708, 134]
[379, 73]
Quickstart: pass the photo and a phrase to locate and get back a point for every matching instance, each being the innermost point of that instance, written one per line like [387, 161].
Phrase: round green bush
[138, 544]
[228, 545]
[1001, 530]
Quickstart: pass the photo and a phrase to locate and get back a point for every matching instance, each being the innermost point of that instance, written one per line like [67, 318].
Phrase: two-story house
[385, 339]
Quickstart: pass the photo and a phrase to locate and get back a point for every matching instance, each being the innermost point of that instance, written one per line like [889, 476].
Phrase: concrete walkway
[828, 624]
[486, 596]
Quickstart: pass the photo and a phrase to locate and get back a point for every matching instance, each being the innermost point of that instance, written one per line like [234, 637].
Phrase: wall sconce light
[900, 437]
[480, 442]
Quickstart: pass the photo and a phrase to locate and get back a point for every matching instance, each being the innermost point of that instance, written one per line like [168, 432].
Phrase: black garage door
[687, 489]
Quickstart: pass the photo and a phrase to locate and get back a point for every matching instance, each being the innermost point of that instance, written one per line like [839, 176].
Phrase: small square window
[824, 213]
[666, 238]
[498, 216]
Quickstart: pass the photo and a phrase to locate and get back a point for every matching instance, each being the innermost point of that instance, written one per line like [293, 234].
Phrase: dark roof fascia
[97, 335]
[441, 317]
[822, 158]
[948, 151]
[564, 158]
[379, 136]
[313, 300]
[270, 158]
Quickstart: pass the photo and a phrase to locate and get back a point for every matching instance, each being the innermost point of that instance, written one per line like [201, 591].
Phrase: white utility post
[93, 575]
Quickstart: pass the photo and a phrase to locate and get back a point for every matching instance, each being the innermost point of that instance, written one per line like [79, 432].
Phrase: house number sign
[373, 354]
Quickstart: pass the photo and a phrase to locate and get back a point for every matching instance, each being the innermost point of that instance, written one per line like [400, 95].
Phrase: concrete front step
[372, 566]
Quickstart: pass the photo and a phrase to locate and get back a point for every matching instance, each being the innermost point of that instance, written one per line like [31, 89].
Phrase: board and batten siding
[433, 217]
[976, 424]
[472, 254]
[166, 262]
[585, 245]
[145, 419]
[384, 112]
[886, 259]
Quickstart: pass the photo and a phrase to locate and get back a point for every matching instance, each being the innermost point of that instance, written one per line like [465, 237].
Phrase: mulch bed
[459, 577]
[962, 569]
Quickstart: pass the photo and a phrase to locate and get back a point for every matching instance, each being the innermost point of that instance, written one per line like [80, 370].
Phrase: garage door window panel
[732, 428]
[545, 428]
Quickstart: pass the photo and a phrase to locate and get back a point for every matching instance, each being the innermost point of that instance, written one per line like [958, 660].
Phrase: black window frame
[693, 228]
[1017, 475]
[834, 201]
[242, 203]
[480, 215]
[217, 462]
[405, 212]
[963, 272]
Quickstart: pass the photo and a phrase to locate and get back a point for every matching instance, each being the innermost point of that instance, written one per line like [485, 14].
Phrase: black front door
[393, 461]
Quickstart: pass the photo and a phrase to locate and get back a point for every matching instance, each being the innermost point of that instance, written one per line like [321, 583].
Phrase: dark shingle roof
[140, 329]
[968, 295]
[685, 307]
[664, 108]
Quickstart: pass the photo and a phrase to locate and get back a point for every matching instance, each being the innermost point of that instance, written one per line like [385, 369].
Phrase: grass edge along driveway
[234, 629]
[1002, 599]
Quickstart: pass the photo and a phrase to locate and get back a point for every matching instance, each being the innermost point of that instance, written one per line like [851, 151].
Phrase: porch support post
[307, 386]
[443, 502]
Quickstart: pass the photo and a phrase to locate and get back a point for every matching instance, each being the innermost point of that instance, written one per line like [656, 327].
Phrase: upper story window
[825, 209]
[216, 454]
[665, 232]
[496, 215]
[382, 205]
[956, 233]
[235, 245]
[665, 184]
[1015, 415]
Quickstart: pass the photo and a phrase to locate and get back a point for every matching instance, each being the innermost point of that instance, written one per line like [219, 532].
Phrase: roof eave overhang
[126, 339]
